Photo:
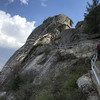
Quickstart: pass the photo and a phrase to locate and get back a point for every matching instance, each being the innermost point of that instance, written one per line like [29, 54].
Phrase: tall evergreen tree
[92, 17]
[90, 7]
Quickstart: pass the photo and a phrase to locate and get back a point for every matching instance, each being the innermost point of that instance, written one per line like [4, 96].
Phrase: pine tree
[93, 21]
[90, 7]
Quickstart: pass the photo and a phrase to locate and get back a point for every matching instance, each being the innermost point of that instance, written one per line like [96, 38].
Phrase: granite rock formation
[43, 57]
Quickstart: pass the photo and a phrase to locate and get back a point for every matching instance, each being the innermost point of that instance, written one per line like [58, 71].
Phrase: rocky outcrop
[53, 25]
[81, 25]
[43, 57]
[85, 84]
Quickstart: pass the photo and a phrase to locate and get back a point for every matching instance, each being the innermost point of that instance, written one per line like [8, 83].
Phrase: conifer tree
[90, 7]
[92, 17]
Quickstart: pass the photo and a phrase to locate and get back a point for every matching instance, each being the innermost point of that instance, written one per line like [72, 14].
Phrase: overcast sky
[19, 17]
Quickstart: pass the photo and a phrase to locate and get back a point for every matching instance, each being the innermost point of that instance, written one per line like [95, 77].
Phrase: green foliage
[45, 96]
[71, 83]
[16, 83]
[24, 92]
[90, 7]
[70, 91]
[93, 20]
[61, 87]
[26, 88]
[3, 98]
[75, 94]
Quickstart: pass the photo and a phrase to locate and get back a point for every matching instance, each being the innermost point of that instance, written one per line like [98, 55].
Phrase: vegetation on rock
[16, 83]
[92, 6]
[92, 17]
[61, 87]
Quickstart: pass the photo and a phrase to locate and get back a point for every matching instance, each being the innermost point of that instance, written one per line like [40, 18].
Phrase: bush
[44, 96]
[71, 83]
[26, 88]
[61, 87]
[3, 98]
[70, 91]
[16, 83]
[25, 92]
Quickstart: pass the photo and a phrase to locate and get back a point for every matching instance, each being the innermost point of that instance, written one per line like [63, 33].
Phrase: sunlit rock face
[53, 25]
[50, 48]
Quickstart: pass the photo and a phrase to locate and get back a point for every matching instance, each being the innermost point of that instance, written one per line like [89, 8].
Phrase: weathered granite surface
[42, 56]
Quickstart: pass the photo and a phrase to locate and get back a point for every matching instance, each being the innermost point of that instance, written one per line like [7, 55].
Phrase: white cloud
[43, 4]
[14, 30]
[24, 1]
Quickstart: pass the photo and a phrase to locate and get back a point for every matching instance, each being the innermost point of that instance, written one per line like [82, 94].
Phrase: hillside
[49, 64]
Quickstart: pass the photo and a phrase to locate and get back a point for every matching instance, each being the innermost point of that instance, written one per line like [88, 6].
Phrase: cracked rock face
[44, 57]
[53, 25]
[36, 44]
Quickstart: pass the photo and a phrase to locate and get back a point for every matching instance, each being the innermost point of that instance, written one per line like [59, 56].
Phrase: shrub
[25, 92]
[26, 88]
[70, 91]
[3, 98]
[71, 83]
[16, 83]
[45, 96]
[61, 87]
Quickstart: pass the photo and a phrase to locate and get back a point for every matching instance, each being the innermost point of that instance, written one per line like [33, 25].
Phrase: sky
[18, 18]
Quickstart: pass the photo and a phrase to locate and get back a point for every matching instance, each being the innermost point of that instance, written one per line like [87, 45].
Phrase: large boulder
[85, 84]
